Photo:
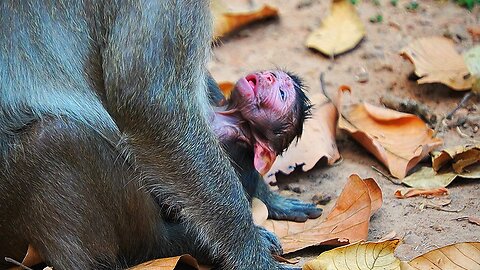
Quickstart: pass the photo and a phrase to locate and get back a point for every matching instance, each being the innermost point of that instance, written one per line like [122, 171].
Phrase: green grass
[468, 3]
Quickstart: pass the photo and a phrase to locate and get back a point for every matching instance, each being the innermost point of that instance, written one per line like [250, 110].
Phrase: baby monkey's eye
[282, 95]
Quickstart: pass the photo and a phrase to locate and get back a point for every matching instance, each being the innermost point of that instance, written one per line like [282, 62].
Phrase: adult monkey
[101, 116]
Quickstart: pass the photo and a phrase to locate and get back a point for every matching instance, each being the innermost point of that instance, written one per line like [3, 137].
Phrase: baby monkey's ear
[264, 156]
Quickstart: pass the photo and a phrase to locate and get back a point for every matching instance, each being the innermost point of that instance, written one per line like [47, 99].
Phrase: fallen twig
[388, 177]
[439, 208]
[462, 102]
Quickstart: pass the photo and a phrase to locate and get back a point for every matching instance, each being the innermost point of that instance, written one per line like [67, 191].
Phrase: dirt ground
[280, 43]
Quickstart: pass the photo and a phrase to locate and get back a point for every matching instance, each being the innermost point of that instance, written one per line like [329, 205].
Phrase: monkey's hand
[271, 240]
[291, 209]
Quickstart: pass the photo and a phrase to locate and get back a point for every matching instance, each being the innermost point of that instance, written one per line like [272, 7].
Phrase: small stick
[385, 175]
[10, 260]
[445, 210]
[460, 105]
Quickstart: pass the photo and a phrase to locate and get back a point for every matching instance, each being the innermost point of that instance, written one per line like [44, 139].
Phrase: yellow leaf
[380, 255]
[358, 256]
[426, 177]
[341, 31]
[398, 140]
[226, 21]
[437, 61]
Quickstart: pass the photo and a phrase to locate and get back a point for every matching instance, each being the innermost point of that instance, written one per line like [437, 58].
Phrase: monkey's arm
[280, 207]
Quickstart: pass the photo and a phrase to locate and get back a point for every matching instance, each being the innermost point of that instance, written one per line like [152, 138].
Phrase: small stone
[361, 75]
[321, 198]
[475, 129]
[295, 188]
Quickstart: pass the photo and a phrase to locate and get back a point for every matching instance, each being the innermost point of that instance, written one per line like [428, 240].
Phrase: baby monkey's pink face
[265, 98]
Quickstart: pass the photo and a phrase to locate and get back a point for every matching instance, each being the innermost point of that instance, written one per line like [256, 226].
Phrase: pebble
[321, 198]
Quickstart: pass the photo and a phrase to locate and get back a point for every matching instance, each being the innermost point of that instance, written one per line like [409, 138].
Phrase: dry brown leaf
[167, 263]
[341, 31]
[412, 192]
[437, 61]
[347, 222]
[398, 140]
[375, 255]
[226, 21]
[457, 256]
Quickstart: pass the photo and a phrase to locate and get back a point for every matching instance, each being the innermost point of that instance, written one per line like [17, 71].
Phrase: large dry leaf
[426, 177]
[398, 140]
[226, 21]
[347, 222]
[358, 256]
[459, 157]
[341, 31]
[464, 256]
[167, 263]
[413, 192]
[380, 255]
[437, 61]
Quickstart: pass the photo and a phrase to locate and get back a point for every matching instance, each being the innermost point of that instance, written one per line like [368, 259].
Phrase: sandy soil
[280, 43]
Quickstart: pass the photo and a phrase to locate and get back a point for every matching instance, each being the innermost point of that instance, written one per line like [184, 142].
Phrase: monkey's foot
[282, 208]
[271, 241]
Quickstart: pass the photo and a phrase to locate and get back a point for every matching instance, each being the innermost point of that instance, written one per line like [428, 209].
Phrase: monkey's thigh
[68, 192]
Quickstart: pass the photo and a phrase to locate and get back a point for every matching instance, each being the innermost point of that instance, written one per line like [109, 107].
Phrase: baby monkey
[264, 114]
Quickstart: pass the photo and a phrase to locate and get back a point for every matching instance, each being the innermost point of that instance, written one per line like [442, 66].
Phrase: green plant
[468, 3]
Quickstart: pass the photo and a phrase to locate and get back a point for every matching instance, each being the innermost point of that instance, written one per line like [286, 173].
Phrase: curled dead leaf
[437, 61]
[341, 31]
[413, 192]
[398, 140]
[459, 156]
[347, 222]
[226, 21]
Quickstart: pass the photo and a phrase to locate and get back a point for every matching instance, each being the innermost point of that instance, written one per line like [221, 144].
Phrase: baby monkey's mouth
[252, 81]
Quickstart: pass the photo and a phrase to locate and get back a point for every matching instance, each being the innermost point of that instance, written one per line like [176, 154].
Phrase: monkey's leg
[72, 195]
[283, 208]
